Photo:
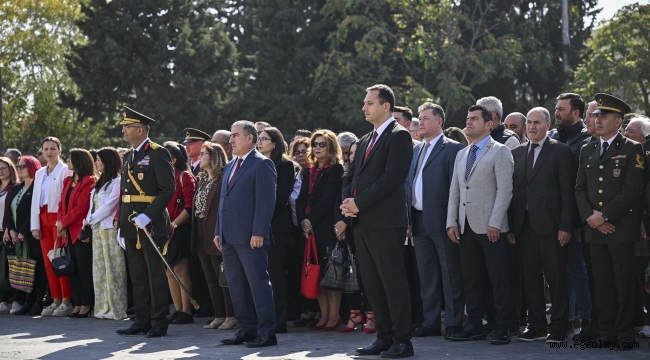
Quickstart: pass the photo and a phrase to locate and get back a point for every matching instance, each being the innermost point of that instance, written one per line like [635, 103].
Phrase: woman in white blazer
[109, 265]
[48, 185]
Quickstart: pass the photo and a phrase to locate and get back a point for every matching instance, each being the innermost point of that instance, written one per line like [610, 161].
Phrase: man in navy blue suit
[438, 258]
[242, 234]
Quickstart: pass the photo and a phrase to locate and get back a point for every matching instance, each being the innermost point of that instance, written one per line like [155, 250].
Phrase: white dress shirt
[417, 184]
[382, 127]
[138, 148]
[243, 158]
[608, 141]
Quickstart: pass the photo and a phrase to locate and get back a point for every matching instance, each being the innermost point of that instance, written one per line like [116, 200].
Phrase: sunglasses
[319, 144]
[20, 167]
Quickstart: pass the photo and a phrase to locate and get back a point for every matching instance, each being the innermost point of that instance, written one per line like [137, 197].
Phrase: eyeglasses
[319, 144]
[129, 126]
[203, 154]
[3, 169]
[20, 167]
[299, 152]
[263, 139]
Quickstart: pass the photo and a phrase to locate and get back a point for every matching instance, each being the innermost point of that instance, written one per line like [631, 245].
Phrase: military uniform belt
[137, 199]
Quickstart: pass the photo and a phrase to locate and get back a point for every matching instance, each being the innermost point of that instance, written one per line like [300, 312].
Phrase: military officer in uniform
[194, 140]
[608, 191]
[146, 189]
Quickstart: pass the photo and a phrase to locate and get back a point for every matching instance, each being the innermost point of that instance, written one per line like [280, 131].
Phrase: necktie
[605, 147]
[530, 160]
[470, 160]
[372, 142]
[134, 152]
[423, 154]
[235, 173]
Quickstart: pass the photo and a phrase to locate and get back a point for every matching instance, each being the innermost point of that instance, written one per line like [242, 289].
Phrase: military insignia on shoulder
[127, 151]
[639, 161]
[154, 145]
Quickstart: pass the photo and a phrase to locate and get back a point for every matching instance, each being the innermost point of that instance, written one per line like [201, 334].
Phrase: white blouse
[52, 192]
[109, 199]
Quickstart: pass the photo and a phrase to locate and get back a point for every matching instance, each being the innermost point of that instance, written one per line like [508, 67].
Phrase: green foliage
[617, 59]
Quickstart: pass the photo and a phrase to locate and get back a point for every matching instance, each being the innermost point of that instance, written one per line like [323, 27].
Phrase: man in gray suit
[438, 258]
[480, 194]
[242, 233]
[541, 224]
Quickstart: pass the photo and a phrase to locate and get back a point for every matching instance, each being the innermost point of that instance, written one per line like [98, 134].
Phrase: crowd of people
[462, 233]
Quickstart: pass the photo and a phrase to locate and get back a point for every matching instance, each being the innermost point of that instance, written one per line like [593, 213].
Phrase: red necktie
[235, 173]
[372, 142]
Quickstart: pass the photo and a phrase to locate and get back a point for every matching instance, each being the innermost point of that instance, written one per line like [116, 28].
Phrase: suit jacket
[152, 170]
[380, 181]
[246, 207]
[611, 185]
[209, 220]
[437, 174]
[72, 214]
[21, 224]
[549, 192]
[326, 192]
[485, 197]
[53, 192]
[281, 222]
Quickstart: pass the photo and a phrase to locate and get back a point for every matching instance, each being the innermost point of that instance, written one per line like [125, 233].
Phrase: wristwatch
[174, 225]
[604, 217]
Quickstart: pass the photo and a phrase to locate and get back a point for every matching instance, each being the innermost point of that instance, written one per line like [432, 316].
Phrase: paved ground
[23, 337]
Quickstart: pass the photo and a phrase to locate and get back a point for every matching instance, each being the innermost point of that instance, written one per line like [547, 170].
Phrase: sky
[611, 6]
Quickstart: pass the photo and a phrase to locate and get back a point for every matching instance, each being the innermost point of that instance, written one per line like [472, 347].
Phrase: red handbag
[309, 287]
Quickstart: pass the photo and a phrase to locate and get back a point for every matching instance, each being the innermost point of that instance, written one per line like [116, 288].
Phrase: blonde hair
[334, 153]
[13, 174]
[217, 160]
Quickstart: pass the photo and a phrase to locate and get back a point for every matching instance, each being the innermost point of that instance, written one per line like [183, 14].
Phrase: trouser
[150, 286]
[642, 297]
[81, 280]
[542, 255]
[221, 301]
[514, 281]
[278, 276]
[59, 286]
[577, 280]
[293, 267]
[384, 280]
[413, 278]
[614, 288]
[590, 275]
[200, 290]
[476, 254]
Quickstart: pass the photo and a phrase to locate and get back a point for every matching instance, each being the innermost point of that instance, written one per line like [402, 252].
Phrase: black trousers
[543, 256]
[220, 296]
[411, 265]
[293, 267]
[614, 288]
[476, 254]
[200, 289]
[590, 276]
[278, 275]
[81, 280]
[643, 298]
[150, 286]
[380, 253]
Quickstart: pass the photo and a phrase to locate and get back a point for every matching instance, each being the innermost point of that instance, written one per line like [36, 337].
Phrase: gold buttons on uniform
[600, 179]
[126, 190]
[600, 191]
[601, 167]
[600, 204]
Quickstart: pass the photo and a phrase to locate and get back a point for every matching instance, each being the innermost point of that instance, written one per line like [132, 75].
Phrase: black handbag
[223, 282]
[4, 269]
[340, 272]
[86, 233]
[62, 264]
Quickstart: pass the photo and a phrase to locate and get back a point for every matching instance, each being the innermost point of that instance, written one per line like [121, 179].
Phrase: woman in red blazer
[74, 206]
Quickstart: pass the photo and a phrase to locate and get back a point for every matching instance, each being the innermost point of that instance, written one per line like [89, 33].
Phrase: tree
[617, 59]
[169, 59]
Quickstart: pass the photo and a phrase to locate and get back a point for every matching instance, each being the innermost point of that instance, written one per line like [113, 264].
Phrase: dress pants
[643, 298]
[614, 288]
[542, 255]
[211, 264]
[150, 286]
[476, 254]
[380, 253]
[413, 278]
[293, 267]
[278, 276]
[59, 286]
[40, 276]
[514, 280]
[577, 280]
[438, 260]
[81, 280]
[590, 275]
[200, 290]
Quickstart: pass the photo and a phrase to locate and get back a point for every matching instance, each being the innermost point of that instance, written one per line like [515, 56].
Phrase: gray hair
[545, 114]
[415, 123]
[346, 139]
[493, 105]
[248, 127]
[644, 124]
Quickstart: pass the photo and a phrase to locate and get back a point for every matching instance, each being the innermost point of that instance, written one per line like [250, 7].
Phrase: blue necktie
[470, 160]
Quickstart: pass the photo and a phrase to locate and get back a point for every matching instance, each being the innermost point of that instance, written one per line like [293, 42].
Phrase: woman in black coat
[270, 143]
[19, 229]
[321, 187]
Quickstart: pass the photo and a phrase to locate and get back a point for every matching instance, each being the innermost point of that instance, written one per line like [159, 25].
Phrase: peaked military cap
[192, 135]
[133, 117]
[608, 104]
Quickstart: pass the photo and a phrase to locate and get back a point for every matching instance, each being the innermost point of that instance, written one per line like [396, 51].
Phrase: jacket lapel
[244, 165]
[486, 148]
[140, 154]
[546, 148]
[436, 150]
[210, 199]
[377, 143]
[611, 150]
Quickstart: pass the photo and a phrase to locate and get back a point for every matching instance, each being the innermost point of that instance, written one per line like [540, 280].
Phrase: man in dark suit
[608, 190]
[540, 221]
[378, 200]
[427, 191]
[246, 208]
[146, 189]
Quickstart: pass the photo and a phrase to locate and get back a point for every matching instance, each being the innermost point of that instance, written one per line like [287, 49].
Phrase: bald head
[222, 137]
[516, 122]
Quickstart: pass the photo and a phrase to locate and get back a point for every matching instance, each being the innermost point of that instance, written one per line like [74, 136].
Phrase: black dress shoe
[532, 334]
[557, 335]
[469, 332]
[398, 351]
[35, 310]
[183, 318]
[376, 348]
[427, 331]
[312, 322]
[173, 316]
[262, 341]
[133, 330]
[25, 309]
[74, 314]
[156, 331]
[588, 332]
[239, 338]
[501, 337]
[451, 330]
